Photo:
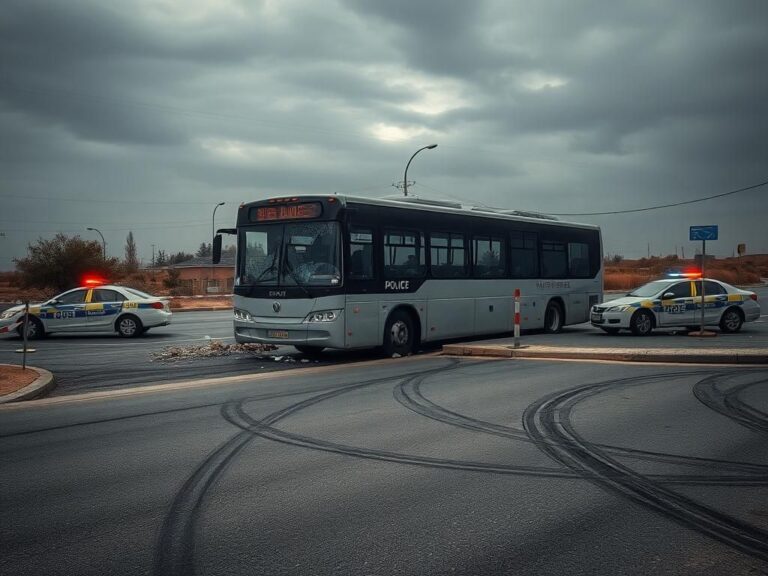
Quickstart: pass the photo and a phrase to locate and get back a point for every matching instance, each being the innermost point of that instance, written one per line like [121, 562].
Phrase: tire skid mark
[174, 550]
[408, 393]
[548, 421]
[710, 392]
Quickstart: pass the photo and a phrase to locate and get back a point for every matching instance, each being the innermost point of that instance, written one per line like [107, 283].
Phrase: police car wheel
[129, 327]
[35, 329]
[731, 321]
[641, 323]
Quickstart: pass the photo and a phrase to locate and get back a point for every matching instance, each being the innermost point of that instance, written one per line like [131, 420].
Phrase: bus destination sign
[301, 211]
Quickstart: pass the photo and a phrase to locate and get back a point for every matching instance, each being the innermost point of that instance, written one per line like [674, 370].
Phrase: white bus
[321, 272]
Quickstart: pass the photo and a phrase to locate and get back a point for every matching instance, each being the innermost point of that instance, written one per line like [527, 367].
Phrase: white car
[104, 308]
[676, 302]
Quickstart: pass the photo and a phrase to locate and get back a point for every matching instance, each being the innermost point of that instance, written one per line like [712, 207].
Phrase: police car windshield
[650, 289]
[291, 254]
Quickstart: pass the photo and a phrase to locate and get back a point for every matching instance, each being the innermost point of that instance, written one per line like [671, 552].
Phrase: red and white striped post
[517, 317]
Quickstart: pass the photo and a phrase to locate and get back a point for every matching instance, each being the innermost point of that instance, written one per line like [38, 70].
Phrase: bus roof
[434, 205]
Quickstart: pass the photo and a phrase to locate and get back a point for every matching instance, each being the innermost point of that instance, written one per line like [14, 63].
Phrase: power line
[660, 205]
[104, 200]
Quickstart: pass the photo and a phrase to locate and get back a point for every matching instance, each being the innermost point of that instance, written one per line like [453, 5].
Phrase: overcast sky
[143, 115]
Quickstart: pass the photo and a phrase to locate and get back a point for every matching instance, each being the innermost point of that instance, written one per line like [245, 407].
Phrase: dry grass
[629, 274]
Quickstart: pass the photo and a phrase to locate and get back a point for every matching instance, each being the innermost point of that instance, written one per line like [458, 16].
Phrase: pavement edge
[730, 356]
[39, 387]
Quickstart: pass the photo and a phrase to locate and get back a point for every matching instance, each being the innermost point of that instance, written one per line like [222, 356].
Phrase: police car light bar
[90, 281]
[691, 274]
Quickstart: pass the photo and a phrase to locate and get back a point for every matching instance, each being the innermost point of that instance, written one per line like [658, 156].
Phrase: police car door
[677, 307]
[67, 312]
[103, 308]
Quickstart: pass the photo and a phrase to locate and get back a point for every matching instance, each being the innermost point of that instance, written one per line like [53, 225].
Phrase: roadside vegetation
[621, 274]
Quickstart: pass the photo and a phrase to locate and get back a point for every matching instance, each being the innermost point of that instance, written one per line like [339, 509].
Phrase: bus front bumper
[320, 334]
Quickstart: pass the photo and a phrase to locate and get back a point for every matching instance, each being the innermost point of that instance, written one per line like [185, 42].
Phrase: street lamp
[213, 220]
[103, 243]
[405, 179]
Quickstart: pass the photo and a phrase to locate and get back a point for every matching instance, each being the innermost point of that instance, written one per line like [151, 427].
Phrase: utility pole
[153, 262]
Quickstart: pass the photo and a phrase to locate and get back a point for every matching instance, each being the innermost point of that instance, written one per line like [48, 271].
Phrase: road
[97, 362]
[421, 465]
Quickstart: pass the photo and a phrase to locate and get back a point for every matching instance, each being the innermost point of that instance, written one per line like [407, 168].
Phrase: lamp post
[405, 178]
[213, 234]
[103, 243]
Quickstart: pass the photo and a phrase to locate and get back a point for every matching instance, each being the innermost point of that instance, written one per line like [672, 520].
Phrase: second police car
[102, 308]
[676, 302]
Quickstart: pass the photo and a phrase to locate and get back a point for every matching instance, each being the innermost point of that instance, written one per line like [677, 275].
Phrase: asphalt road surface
[421, 465]
[100, 362]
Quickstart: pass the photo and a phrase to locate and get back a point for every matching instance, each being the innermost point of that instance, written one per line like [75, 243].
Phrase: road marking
[203, 383]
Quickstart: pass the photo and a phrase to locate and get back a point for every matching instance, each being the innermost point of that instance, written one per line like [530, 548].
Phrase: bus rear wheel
[553, 318]
[399, 335]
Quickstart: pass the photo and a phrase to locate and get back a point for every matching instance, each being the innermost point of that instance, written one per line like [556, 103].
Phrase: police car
[102, 308]
[676, 302]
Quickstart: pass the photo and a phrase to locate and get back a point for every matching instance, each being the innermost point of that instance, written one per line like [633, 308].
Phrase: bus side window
[489, 257]
[403, 254]
[361, 254]
[524, 254]
[578, 260]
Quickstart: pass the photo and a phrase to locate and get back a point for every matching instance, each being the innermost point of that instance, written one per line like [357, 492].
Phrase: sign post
[703, 233]
[517, 317]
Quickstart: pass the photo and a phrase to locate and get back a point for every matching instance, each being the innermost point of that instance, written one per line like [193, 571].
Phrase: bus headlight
[243, 315]
[323, 316]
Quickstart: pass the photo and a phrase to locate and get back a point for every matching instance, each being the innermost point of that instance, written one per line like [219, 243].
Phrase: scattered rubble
[210, 349]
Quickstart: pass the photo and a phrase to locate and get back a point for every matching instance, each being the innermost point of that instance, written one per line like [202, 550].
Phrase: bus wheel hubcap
[399, 333]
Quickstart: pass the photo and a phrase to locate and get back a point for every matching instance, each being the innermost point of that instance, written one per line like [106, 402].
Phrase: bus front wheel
[399, 336]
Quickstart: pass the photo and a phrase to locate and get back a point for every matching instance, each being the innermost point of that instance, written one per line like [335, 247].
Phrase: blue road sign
[704, 232]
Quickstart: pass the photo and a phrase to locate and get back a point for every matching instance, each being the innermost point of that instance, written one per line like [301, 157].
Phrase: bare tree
[131, 261]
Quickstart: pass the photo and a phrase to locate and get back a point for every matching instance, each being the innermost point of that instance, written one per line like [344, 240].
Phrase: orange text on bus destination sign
[289, 212]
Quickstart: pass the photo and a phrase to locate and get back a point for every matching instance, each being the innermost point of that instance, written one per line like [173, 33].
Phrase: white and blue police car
[91, 308]
[676, 302]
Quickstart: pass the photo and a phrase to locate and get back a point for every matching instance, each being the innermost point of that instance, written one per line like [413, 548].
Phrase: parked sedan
[676, 302]
[109, 308]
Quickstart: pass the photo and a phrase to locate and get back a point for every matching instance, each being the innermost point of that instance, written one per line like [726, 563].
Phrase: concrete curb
[666, 355]
[39, 387]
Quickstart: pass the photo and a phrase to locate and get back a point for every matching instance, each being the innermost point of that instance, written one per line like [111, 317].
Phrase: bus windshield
[291, 254]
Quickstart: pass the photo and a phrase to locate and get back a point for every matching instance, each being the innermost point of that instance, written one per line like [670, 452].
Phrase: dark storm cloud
[558, 106]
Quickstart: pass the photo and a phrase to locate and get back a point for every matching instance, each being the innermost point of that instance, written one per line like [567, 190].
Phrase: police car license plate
[597, 317]
[277, 333]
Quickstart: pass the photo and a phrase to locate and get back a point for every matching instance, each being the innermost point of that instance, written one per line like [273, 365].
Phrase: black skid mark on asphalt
[712, 394]
[408, 393]
[174, 551]
[548, 421]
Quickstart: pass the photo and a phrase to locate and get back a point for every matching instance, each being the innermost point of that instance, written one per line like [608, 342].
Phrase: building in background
[199, 277]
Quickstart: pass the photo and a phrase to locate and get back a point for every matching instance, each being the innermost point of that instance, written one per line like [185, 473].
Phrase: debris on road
[208, 350]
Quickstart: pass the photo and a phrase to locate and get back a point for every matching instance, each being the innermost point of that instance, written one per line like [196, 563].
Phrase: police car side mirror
[668, 295]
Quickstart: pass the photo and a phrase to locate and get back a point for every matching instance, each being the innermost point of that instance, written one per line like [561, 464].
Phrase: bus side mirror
[216, 253]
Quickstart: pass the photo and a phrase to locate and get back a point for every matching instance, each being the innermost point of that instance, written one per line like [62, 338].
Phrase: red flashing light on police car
[93, 281]
[691, 273]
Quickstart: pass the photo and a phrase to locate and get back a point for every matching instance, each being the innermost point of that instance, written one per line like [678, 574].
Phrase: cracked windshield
[306, 254]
